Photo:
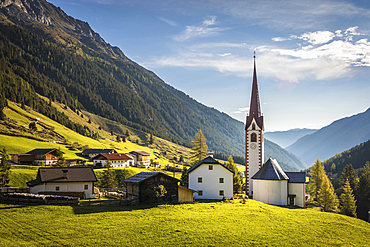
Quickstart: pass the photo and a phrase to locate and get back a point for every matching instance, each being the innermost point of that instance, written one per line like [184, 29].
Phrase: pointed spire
[254, 107]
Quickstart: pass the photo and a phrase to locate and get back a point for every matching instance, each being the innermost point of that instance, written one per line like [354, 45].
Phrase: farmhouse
[139, 183]
[116, 159]
[141, 159]
[92, 152]
[274, 186]
[37, 156]
[211, 179]
[71, 181]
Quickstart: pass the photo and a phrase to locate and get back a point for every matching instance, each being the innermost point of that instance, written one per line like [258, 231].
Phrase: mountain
[356, 156]
[43, 51]
[340, 135]
[286, 138]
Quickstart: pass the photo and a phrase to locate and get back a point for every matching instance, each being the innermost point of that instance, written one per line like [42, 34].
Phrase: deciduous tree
[237, 179]
[109, 177]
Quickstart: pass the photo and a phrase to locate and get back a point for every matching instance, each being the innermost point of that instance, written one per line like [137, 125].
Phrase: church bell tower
[254, 136]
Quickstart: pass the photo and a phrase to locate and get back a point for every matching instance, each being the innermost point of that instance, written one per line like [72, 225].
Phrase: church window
[221, 180]
[253, 137]
[221, 193]
[200, 192]
[210, 167]
[200, 180]
[253, 126]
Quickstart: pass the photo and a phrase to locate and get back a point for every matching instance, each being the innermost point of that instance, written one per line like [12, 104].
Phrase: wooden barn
[137, 184]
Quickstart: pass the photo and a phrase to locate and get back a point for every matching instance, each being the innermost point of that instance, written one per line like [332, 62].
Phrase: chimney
[210, 154]
[64, 173]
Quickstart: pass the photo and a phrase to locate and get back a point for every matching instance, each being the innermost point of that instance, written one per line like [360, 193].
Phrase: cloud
[242, 110]
[169, 22]
[280, 39]
[202, 30]
[315, 38]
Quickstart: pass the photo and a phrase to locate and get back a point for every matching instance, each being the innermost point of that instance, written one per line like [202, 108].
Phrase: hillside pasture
[201, 224]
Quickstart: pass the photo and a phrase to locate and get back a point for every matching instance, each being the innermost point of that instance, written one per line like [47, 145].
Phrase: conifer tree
[363, 199]
[199, 147]
[237, 180]
[4, 168]
[317, 174]
[326, 196]
[348, 206]
[184, 176]
[109, 177]
[350, 175]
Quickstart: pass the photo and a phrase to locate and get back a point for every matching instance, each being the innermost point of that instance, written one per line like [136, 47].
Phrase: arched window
[253, 126]
[253, 137]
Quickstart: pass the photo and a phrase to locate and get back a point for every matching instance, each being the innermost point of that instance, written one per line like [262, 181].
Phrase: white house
[141, 159]
[92, 152]
[116, 159]
[65, 181]
[211, 179]
[274, 186]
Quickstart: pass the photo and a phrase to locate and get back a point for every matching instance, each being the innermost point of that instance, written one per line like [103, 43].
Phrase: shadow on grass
[112, 208]
[11, 206]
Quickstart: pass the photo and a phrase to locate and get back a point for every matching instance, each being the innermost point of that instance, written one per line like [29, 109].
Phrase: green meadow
[200, 224]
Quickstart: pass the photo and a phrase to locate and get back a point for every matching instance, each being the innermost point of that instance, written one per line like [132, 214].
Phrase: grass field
[201, 224]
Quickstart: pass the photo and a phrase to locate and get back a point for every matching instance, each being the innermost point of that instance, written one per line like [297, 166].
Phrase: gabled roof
[254, 107]
[98, 151]
[207, 161]
[42, 151]
[140, 153]
[142, 176]
[296, 177]
[114, 156]
[271, 170]
[55, 175]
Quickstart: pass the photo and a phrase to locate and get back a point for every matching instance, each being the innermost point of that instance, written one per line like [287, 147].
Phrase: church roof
[209, 161]
[271, 170]
[296, 177]
[254, 107]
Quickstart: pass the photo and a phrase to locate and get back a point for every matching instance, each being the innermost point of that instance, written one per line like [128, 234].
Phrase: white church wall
[210, 185]
[270, 191]
[299, 190]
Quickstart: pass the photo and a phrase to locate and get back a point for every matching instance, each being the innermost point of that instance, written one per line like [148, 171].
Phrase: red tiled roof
[114, 156]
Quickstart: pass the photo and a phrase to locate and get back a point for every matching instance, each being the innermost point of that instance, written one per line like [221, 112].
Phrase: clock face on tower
[253, 146]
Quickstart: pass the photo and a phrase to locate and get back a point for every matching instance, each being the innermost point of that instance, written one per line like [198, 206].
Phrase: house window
[221, 193]
[200, 192]
[200, 180]
[57, 188]
[253, 126]
[86, 186]
[253, 137]
[210, 167]
[221, 180]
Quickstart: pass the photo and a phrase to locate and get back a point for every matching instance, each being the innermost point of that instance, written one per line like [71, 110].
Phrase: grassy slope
[202, 224]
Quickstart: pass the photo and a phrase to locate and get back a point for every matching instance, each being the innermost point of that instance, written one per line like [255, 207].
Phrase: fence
[14, 190]
[32, 199]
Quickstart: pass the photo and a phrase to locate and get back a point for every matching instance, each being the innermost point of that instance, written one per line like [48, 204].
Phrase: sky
[312, 57]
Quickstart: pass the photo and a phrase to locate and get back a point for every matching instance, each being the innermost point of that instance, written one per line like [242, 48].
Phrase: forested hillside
[356, 156]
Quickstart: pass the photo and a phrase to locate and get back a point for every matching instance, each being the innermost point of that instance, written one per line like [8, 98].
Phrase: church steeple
[254, 107]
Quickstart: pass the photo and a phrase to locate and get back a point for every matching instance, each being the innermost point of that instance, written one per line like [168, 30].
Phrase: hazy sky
[313, 57]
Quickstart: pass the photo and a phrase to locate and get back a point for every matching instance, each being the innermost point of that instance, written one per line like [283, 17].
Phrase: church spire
[254, 107]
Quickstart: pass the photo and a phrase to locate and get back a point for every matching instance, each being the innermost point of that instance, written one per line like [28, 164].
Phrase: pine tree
[109, 177]
[184, 176]
[348, 206]
[317, 174]
[332, 168]
[350, 175]
[326, 196]
[237, 180]
[199, 147]
[363, 198]
[4, 168]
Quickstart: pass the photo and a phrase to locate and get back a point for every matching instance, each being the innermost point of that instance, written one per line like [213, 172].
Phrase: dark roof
[254, 107]
[42, 151]
[114, 156]
[271, 170]
[55, 175]
[75, 160]
[97, 151]
[141, 153]
[140, 177]
[296, 177]
[210, 161]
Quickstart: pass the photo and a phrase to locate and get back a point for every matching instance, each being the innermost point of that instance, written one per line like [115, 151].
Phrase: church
[267, 182]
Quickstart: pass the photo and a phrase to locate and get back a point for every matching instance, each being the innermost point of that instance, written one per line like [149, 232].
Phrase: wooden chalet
[136, 184]
[141, 159]
[37, 156]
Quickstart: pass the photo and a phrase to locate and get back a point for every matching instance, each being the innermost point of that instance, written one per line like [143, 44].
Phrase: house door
[291, 201]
